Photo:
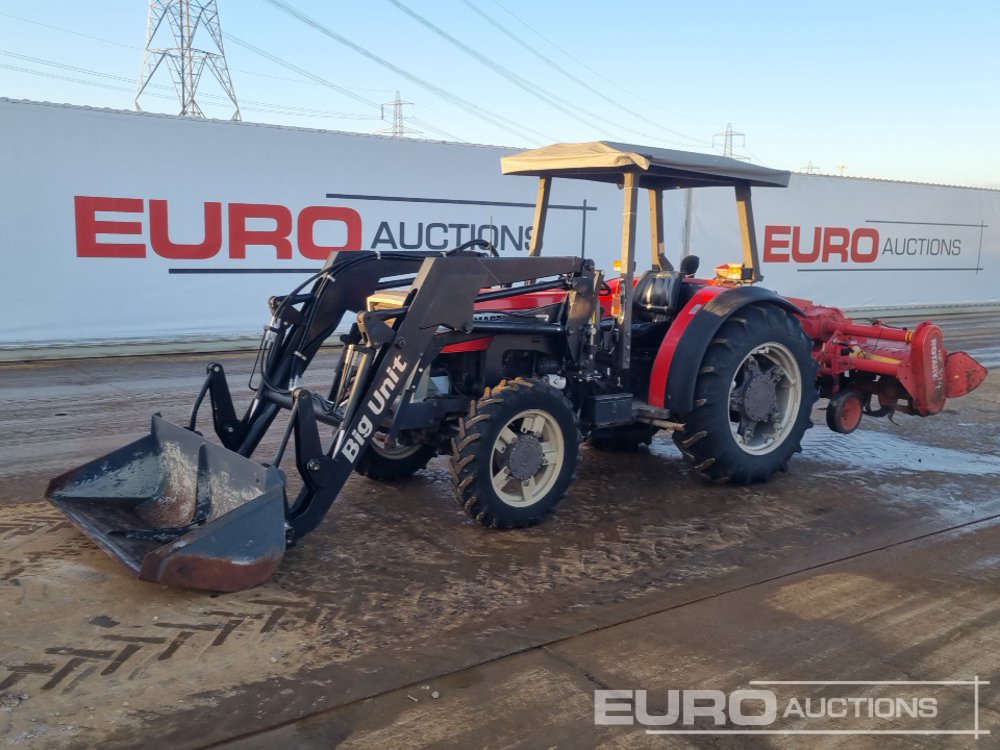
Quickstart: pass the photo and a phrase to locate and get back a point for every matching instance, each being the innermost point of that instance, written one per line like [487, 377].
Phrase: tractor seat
[657, 296]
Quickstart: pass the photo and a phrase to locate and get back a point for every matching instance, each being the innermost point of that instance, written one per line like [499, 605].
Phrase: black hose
[269, 358]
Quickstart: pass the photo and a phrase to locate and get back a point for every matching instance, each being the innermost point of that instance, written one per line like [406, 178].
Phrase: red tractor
[505, 365]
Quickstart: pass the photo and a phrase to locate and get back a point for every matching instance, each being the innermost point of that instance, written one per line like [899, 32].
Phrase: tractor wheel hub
[524, 457]
[760, 399]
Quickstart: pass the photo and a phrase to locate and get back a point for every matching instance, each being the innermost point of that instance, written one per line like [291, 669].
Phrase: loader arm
[178, 509]
[390, 359]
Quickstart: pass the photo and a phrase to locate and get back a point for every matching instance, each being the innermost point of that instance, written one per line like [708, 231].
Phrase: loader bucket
[177, 509]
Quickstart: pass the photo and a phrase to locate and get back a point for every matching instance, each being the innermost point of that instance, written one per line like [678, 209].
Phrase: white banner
[864, 243]
[118, 226]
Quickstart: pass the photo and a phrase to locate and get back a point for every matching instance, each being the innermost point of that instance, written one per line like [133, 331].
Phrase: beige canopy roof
[606, 161]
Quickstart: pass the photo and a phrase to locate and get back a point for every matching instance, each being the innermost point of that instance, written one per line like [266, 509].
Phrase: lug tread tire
[472, 452]
[381, 468]
[706, 439]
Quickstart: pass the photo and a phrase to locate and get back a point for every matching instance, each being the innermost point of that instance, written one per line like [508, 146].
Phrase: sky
[883, 89]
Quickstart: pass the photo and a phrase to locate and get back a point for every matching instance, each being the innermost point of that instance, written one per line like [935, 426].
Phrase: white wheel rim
[771, 363]
[531, 424]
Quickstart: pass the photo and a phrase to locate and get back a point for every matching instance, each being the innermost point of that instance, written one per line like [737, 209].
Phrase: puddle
[876, 452]
[881, 452]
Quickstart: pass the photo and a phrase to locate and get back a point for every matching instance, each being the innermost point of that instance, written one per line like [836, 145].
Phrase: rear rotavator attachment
[899, 369]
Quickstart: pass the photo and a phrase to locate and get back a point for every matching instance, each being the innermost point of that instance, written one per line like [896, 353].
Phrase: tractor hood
[657, 168]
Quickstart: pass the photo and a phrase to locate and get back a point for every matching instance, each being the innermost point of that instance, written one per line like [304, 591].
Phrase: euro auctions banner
[867, 243]
[117, 226]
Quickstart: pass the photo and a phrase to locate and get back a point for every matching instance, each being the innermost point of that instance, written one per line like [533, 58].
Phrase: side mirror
[689, 265]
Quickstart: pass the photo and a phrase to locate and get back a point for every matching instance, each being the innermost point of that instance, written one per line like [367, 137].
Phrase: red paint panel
[927, 363]
[963, 374]
[475, 345]
[665, 356]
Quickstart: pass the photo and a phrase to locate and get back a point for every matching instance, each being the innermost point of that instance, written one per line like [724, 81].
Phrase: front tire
[390, 463]
[753, 397]
[515, 454]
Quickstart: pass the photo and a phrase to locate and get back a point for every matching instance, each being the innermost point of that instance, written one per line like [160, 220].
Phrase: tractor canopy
[656, 168]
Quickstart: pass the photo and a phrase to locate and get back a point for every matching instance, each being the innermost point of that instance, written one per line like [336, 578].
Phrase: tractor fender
[675, 369]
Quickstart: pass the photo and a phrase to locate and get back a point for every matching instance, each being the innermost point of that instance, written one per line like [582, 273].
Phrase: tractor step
[646, 413]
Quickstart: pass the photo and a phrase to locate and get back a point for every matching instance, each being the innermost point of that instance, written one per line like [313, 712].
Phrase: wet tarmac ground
[401, 623]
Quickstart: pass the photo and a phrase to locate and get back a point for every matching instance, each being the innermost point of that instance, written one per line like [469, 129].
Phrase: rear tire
[515, 454]
[753, 397]
[389, 464]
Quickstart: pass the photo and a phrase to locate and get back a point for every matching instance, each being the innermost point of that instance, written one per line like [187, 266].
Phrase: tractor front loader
[178, 509]
[504, 365]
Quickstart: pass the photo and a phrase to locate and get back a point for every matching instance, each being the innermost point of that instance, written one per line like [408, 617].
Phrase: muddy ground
[401, 623]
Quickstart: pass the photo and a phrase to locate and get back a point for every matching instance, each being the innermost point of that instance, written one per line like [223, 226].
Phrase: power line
[265, 107]
[315, 80]
[64, 66]
[258, 106]
[128, 89]
[592, 70]
[756, 158]
[324, 82]
[306, 77]
[59, 77]
[298, 80]
[285, 64]
[70, 31]
[520, 42]
[134, 47]
[518, 129]
[547, 97]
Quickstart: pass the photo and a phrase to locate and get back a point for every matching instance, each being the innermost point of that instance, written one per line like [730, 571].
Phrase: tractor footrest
[608, 410]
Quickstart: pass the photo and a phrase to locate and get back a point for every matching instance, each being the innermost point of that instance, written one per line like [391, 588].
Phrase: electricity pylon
[398, 129]
[727, 142]
[186, 63]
